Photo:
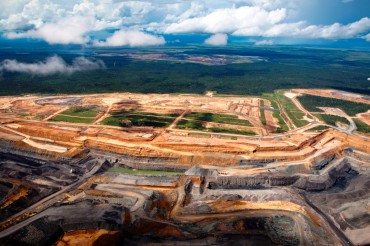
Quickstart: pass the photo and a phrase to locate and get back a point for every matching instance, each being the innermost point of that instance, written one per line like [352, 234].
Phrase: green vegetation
[190, 125]
[362, 126]
[319, 128]
[131, 111]
[332, 119]
[195, 125]
[150, 172]
[69, 119]
[77, 115]
[136, 118]
[292, 111]
[283, 68]
[81, 112]
[218, 118]
[262, 112]
[311, 103]
[229, 130]
[283, 126]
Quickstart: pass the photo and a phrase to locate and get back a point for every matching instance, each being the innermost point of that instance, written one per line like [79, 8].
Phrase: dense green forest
[279, 68]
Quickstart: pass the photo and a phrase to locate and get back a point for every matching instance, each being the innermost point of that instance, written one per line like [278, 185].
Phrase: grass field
[81, 112]
[231, 131]
[136, 118]
[150, 172]
[125, 112]
[195, 125]
[64, 118]
[218, 118]
[351, 108]
[332, 119]
[262, 112]
[190, 125]
[319, 128]
[362, 126]
[293, 112]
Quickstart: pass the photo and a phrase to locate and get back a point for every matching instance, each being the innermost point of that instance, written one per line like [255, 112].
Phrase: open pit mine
[149, 169]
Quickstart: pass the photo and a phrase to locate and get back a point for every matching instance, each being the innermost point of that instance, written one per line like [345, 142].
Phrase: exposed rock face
[325, 181]
[321, 162]
[199, 171]
[252, 182]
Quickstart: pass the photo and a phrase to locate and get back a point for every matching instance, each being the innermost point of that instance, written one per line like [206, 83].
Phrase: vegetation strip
[312, 103]
[136, 171]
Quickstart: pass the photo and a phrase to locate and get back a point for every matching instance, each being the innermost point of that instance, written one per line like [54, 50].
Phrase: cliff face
[254, 182]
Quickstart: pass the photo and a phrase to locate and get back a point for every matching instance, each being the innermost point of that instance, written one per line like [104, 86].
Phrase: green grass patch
[272, 98]
[136, 118]
[81, 112]
[125, 112]
[351, 108]
[64, 118]
[292, 111]
[150, 172]
[229, 130]
[332, 119]
[190, 125]
[218, 118]
[318, 128]
[262, 112]
[362, 126]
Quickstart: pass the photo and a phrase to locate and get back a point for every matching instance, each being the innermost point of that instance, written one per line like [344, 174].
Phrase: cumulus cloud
[71, 30]
[131, 38]
[256, 21]
[367, 37]
[217, 39]
[70, 22]
[264, 42]
[51, 65]
[249, 19]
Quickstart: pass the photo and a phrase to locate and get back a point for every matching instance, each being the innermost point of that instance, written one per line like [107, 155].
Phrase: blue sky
[143, 23]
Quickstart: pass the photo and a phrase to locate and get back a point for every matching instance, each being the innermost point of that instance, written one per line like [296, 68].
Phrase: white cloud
[367, 37]
[131, 38]
[264, 42]
[70, 22]
[255, 21]
[51, 65]
[217, 39]
[71, 30]
[249, 19]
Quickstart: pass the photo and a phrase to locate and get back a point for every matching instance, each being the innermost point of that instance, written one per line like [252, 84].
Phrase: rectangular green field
[218, 118]
[133, 118]
[81, 112]
[64, 118]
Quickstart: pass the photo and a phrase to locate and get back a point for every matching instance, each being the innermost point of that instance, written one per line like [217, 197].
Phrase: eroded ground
[147, 169]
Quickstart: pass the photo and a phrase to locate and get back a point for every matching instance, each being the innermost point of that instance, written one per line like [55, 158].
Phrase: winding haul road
[44, 201]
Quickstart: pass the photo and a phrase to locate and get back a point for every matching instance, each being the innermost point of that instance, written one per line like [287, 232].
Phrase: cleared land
[298, 188]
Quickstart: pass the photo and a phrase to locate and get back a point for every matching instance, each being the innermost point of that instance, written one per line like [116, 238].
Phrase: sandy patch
[48, 147]
[290, 95]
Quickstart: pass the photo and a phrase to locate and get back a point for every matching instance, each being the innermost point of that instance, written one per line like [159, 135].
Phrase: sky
[113, 23]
